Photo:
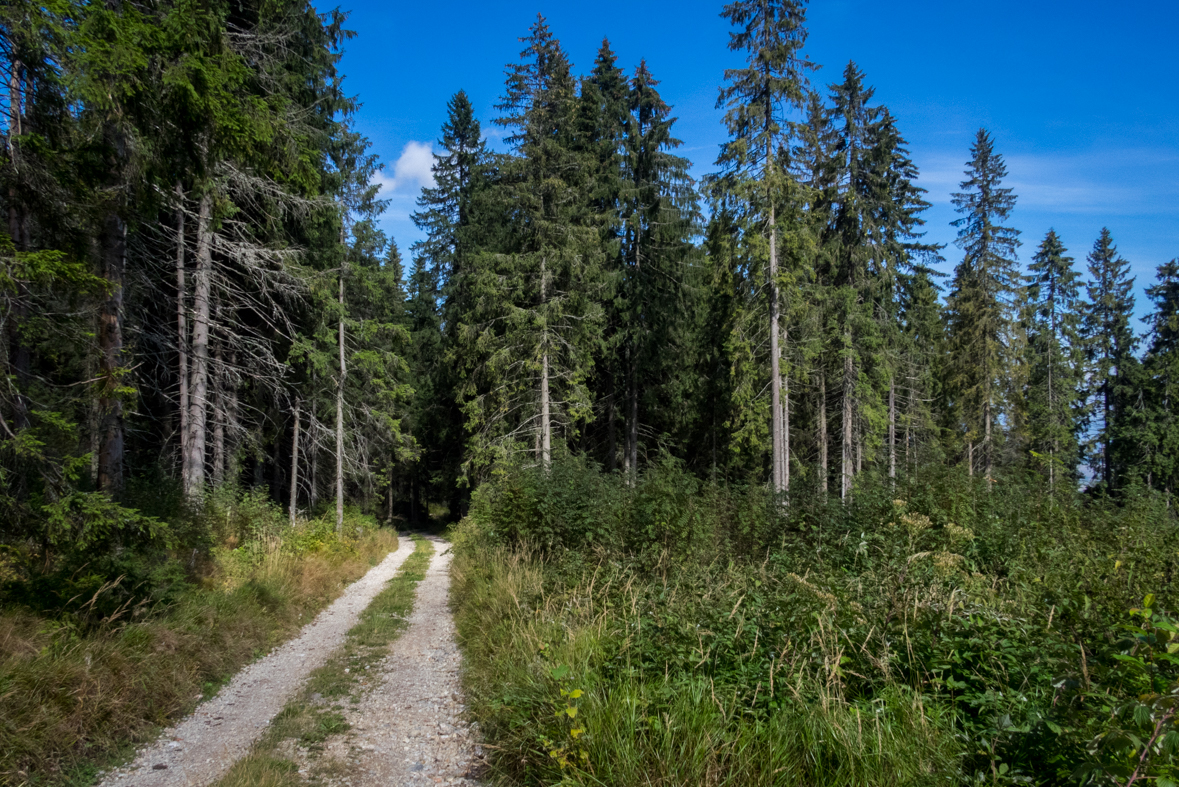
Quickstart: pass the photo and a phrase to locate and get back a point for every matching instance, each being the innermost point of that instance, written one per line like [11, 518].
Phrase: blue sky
[1081, 97]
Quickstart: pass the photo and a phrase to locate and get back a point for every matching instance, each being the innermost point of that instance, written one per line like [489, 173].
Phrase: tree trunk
[340, 410]
[785, 425]
[910, 448]
[218, 400]
[627, 468]
[892, 431]
[970, 458]
[392, 482]
[313, 473]
[987, 455]
[259, 465]
[182, 333]
[859, 446]
[848, 459]
[294, 504]
[611, 435]
[199, 370]
[1051, 412]
[821, 428]
[632, 377]
[19, 356]
[632, 427]
[232, 422]
[546, 439]
[93, 421]
[110, 340]
[1106, 469]
[778, 481]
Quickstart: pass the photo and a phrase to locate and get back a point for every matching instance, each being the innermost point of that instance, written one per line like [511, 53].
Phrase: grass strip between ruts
[317, 711]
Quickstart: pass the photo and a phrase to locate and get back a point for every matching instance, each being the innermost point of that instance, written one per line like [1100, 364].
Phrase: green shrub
[983, 626]
[98, 650]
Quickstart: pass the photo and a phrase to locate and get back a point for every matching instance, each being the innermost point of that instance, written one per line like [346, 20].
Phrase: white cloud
[410, 172]
[1114, 182]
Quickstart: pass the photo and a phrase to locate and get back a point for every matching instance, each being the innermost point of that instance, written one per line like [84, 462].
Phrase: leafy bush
[989, 631]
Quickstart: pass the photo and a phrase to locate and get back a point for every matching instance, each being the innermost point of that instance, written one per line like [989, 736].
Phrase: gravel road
[200, 749]
[409, 728]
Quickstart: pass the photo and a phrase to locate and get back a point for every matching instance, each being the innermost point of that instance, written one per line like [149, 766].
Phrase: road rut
[201, 748]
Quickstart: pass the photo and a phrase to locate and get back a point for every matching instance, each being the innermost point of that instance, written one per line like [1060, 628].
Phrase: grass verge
[299, 731]
[559, 677]
[77, 698]
[666, 632]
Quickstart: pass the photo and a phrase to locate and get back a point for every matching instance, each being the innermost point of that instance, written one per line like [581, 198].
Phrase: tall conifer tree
[1159, 436]
[536, 316]
[448, 212]
[922, 363]
[1110, 348]
[657, 207]
[870, 205]
[1056, 358]
[981, 303]
[756, 98]
[602, 122]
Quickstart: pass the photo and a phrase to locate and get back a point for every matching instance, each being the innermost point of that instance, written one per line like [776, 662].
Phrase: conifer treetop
[757, 98]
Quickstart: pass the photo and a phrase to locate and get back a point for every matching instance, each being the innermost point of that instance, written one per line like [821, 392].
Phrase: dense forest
[195, 287]
[603, 362]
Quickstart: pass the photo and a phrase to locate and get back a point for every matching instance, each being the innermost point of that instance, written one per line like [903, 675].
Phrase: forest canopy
[193, 273]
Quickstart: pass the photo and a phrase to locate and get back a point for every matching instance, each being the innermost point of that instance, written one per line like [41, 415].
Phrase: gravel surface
[200, 749]
[409, 728]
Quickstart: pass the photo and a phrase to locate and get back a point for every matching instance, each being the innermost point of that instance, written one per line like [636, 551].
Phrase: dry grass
[297, 735]
[71, 702]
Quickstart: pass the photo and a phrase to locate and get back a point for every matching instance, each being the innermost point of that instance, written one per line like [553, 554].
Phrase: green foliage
[533, 329]
[980, 307]
[1055, 360]
[947, 631]
[1142, 742]
[1110, 350]
[99, 650]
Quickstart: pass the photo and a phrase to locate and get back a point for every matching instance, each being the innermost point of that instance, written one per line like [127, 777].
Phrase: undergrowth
[315, 714]
[98, 650]
[671, 632]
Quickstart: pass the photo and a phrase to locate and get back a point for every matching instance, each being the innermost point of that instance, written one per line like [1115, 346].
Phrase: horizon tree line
[193, 285]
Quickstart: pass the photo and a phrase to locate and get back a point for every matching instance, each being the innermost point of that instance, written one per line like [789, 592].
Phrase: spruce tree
[656, 211]
[1110, 350]
[1158, 436]
[714, 359]
[602, 122]
[921, 363]
[446, 209]
[535, 322]
[756, 98]
[448, 212]
[980, 306]
[428, 367]
[811, 161]
[854, 241]
[869, 245]
[1055, 359]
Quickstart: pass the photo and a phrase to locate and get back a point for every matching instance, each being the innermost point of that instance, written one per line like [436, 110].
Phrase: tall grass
[82, 679]
[676, 633]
